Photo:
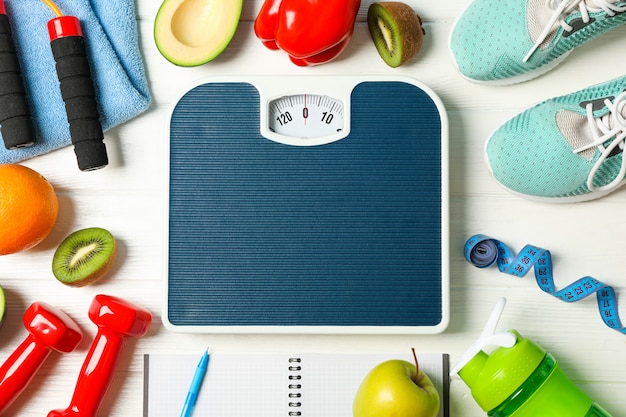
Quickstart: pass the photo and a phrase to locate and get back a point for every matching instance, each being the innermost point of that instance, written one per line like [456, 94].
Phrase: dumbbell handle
[15, 122]
[19, 368]
[95, 376]
[77, 91]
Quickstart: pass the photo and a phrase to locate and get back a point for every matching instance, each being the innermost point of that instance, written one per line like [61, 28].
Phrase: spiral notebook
[272, 385]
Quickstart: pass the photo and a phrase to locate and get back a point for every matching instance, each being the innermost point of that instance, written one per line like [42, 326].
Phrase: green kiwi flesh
[396, 31]
[84, 256]
[3, 306]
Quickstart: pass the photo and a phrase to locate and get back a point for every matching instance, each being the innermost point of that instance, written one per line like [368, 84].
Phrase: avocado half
[193, 32]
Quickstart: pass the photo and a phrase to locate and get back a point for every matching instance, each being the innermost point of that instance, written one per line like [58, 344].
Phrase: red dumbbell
[49, 329]
[116, 320]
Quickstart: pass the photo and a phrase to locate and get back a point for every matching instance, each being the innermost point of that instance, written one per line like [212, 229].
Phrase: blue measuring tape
[483, 252]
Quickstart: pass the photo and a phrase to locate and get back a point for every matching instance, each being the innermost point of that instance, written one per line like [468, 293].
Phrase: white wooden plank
[127, 198]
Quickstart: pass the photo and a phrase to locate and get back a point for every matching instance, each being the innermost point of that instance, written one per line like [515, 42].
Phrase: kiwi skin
[404, 26]
[84, 257]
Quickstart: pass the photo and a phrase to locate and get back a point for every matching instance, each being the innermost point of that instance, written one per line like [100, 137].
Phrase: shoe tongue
[616, 120]
[577, 131]
[540, 15]
[542, 11]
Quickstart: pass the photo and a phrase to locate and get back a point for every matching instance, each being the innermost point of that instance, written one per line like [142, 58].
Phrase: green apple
[396, 388]
[193, 32]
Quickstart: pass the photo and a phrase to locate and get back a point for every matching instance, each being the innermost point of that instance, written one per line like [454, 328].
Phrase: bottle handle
[488, 337]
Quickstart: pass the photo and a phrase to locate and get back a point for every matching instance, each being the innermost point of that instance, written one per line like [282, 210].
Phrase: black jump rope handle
[77, 91]
[15, 122]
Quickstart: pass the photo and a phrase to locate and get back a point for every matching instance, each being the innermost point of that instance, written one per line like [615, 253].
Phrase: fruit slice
[396, 31]
[3, 306]
[193, 32]
[84, 257]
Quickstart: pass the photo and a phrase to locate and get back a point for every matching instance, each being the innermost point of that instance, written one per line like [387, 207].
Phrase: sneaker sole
[518, 79]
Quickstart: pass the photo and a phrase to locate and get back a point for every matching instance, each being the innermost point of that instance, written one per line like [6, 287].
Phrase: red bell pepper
[311, 32]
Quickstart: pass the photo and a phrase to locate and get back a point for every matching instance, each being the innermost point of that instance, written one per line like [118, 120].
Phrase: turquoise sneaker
[565, 149]
[501, 42]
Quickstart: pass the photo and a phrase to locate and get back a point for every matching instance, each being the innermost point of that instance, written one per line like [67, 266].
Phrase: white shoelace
[562, 8]
[611, 126]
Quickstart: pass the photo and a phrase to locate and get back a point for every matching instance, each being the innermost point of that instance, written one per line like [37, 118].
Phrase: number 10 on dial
[306, 116]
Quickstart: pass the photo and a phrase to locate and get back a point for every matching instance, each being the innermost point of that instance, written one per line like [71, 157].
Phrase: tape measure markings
[483, 252]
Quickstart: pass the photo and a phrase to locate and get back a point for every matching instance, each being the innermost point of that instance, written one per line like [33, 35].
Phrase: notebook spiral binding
[295, 387]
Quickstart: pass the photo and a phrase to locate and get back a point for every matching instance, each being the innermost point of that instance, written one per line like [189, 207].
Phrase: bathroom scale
[307, 205]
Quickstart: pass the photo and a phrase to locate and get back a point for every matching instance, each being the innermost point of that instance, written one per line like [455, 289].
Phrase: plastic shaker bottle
[518, 378]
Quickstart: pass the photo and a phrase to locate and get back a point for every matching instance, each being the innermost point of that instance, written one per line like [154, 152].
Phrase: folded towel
[111, 39]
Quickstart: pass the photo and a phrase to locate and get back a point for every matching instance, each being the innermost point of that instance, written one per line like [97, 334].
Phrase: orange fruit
[28, 208]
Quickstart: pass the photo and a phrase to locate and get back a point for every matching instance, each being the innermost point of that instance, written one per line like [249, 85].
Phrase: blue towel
[117, 69]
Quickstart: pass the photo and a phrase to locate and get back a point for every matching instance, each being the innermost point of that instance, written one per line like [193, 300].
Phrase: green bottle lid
[492, 378]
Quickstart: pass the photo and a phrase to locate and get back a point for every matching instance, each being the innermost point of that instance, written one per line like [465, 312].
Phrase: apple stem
[417, 367]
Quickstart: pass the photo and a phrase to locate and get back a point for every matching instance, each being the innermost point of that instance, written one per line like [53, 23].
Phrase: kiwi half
[396, 31]
[84, 257]
[3, 306]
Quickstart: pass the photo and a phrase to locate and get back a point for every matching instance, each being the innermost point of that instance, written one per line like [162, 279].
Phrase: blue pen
[198, 377]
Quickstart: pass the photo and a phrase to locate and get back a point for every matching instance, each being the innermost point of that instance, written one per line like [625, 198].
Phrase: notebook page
[272, 385]
[235, 385]
[331, 381]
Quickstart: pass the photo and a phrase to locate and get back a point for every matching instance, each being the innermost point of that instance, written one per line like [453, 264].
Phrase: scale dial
[306, 116]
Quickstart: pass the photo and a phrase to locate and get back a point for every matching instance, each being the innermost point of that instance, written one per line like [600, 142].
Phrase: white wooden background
[127, 198]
